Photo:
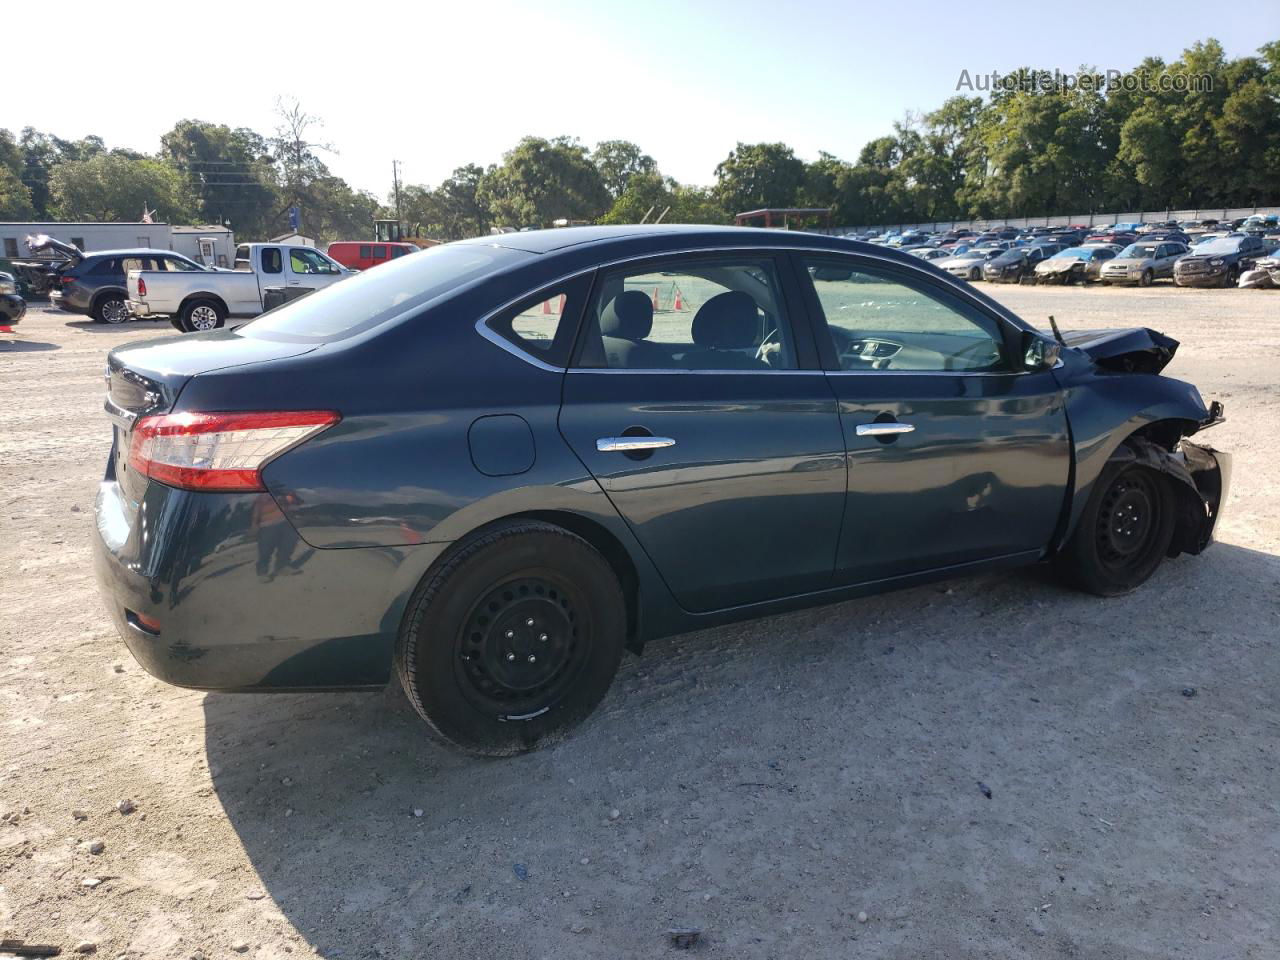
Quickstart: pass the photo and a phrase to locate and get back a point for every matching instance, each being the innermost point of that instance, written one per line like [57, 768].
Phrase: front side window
[711, 314]
[365, 253]
[306, 260]
[885, 322]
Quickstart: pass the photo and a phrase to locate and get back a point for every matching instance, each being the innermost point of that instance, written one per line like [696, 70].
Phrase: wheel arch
[1107, 410]
[103, 292]
[191, 298]
[605, 541]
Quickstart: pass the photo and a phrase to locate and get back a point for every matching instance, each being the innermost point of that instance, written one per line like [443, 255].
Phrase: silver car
[968, 265]
[1143, 262]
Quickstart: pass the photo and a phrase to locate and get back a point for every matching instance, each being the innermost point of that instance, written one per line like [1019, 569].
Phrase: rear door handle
[625, 444]
[883, 429]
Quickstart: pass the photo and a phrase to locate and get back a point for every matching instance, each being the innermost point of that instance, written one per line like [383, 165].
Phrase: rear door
[697, 403]
[955, 454]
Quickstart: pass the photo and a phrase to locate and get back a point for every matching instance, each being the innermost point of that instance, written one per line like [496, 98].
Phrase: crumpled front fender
[1202, 476]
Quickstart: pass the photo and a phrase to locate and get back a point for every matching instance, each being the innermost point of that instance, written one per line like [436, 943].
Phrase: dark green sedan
[492, 467]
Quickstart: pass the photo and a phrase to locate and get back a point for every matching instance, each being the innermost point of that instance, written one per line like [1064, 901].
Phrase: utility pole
[395, 180]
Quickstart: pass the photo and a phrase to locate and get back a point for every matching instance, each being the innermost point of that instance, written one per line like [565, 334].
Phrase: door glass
[271, 262]
[710, 314]
[544, 326]
[877, 322]
[303, 260]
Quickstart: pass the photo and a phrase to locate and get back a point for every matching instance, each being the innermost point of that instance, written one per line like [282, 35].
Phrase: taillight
[142, 287]
[220, 451]
[67, 280]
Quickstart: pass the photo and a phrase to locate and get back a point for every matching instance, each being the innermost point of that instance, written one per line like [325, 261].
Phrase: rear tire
[201, 316]
[111, 309]
[513, 641]
[1124, 532]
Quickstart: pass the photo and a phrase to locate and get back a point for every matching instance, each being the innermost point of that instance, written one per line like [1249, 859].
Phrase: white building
[213, 245]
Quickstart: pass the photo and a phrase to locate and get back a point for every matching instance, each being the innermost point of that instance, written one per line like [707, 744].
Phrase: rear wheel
[111, 309]
[1124, 532]
[201, 315]
[514, 640]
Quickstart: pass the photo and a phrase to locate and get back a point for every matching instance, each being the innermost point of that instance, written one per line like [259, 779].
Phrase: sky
[438, 85]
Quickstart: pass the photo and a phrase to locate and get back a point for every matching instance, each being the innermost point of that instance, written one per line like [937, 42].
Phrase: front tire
[200, 316]
[1146, 278]
[111, 309]
[1124, 532]
[513, 641]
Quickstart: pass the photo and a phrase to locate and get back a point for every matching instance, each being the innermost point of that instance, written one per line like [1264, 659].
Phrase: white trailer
[216, 243]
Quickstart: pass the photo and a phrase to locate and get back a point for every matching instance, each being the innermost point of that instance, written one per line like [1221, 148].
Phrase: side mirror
[1039, 353]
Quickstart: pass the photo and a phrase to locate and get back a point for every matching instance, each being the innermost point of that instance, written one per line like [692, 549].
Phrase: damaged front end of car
[1200, 475]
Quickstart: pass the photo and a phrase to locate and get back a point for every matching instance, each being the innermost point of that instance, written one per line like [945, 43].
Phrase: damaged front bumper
[1202, 476]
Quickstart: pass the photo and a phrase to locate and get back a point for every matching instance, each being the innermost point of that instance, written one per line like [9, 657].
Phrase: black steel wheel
[513, 640]
[1124, 533]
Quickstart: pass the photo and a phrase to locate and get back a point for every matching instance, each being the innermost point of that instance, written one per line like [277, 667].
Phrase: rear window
[367, 299]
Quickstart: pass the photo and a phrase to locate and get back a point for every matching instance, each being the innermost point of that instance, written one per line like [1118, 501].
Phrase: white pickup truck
[203, 301]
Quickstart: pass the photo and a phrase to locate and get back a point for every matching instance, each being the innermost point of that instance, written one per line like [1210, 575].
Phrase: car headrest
[728, 321]
[628, 316]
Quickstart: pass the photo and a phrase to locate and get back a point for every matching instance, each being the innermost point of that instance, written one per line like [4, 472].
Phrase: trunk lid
[144, 379]
[42, 242]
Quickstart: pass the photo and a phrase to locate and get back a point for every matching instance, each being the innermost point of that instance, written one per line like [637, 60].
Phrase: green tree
[541, 181]
[618, 161]
[756, 175]
[229, 172]
[117, 186]
[15, 196]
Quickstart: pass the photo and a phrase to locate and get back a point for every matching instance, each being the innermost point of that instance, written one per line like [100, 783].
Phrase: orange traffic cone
[679, 303]
[546, 306]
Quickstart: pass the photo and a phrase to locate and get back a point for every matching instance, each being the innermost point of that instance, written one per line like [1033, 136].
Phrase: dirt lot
[772, 780]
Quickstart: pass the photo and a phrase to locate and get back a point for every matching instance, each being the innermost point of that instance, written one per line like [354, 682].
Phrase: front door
[698, 407]
[310, 269]
[955, 453]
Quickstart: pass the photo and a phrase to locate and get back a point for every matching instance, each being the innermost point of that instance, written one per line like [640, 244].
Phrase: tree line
[1031, 147]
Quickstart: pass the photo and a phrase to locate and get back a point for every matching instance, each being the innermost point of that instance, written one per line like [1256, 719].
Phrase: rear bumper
[138, 308]
[242, 602]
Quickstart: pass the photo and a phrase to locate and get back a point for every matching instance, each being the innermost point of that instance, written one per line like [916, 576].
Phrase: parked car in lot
[422, 472]
[1075, 264]
[1263, 275]
[94, 283]
[1218, 262]
[358, 255]
[1012, 265]
[932, 253]
[968, 265]
[204, 301]
[12, 306]
[1143, 262]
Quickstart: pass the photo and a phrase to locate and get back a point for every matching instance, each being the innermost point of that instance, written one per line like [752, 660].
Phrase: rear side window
[379, 252]
[271, 260]
[544, 324]
[363, 301]
[364, 251]
[107, 266]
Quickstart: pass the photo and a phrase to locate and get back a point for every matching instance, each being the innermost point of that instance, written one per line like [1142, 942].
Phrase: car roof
[662, 237]
[134, 252]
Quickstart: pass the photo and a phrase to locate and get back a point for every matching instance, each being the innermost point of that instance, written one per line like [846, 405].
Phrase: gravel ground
[812, 785]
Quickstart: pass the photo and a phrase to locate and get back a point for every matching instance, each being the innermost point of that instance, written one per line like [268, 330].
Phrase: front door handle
[892, 428]
[627, 444]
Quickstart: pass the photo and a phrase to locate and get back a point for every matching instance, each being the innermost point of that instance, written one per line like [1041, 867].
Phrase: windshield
[375, 296]
[1218, 245]
[1139, 251]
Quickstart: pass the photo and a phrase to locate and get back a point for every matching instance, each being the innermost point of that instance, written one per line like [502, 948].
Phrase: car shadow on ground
[26, 346]
[946, 758]
[92, 326]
